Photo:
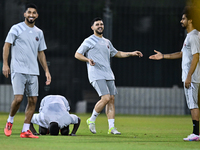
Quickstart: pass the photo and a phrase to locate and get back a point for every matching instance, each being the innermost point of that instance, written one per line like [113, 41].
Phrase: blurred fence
[133, 25]
[142, 101]
[150, 101]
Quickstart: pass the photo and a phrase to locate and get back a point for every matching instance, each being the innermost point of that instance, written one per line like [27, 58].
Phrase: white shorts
[191, 95]
[104, 87]
[24, 83]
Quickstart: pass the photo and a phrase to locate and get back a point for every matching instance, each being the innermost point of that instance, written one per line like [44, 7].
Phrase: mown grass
[138, 132]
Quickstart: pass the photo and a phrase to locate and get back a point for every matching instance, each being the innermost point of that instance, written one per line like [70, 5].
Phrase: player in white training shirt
[190, 67]
[27, 44]
[96, 52]
[54, 116]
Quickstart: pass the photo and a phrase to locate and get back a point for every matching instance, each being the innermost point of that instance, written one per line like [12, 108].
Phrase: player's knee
[106, 98]
[18, 99]
[112, 99]
[32, 100]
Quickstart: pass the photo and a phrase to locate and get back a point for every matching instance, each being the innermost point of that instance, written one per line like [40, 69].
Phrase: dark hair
[95, 19]
[187, 11]
[192, 13]
[31, 6]
[53, 128]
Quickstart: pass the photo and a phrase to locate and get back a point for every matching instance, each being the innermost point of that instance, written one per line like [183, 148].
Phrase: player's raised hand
[156, 56]
[91, 62]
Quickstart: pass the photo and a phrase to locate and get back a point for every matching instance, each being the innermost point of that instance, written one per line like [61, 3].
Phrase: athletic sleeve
[42, 45]
[42, 104]
[84, 47]
[113, 51]
[74, 118]
[12, 35]
[194, 43]
[66, 103]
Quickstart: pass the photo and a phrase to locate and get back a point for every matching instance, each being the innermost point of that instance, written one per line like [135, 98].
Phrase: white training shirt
[26, 42]
[54, 108]
[99, 50]
[190, 47]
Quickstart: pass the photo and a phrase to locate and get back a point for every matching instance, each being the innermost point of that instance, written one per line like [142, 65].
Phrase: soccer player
[96, 52]
[190, 67]
[27, 44]
[54, 116]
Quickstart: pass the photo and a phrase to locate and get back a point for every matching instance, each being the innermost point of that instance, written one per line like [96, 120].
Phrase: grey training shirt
[26, 42]
[99, 50]
[191, 46]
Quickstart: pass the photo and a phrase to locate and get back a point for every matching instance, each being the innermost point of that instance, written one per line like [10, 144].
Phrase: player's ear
[190, 21]
[92, 27]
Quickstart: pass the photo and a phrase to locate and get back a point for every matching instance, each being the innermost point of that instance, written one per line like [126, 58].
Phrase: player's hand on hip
[91, 62]
[48, 76]
[156, 56]
[6, 70]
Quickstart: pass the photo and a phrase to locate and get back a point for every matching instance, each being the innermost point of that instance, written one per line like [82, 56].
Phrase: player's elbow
[76, 55]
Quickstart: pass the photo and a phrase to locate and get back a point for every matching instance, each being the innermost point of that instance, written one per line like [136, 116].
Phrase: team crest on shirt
[36, 38]
[108, 46]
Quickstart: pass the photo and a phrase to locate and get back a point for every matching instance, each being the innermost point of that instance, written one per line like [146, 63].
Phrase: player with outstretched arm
[96, 52]
[190, 67]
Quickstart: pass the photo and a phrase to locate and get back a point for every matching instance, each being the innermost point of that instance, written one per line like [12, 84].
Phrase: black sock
[195, 127]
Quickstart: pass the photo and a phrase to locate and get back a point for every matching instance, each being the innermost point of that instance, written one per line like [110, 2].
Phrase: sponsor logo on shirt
[37, 39]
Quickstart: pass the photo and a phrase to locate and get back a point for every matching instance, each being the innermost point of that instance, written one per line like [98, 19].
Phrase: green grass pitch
[138, 133]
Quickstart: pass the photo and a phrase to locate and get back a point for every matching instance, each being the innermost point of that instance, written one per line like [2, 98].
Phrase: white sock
[111, 123]
[10, 119]
[94, 115]
[26, 127]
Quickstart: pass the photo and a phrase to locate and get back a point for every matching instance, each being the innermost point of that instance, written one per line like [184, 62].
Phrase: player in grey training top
[27, 44]
[96, 52]
[99, 50]
[54, 109]
[190, 68]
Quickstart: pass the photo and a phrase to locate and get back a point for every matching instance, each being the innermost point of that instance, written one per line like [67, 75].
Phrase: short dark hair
[95, 19]
[187, 11]
[192, 13]
[31, 6]
[54, 128]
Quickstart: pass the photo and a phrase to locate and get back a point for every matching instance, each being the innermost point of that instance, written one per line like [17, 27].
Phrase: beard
[184, 25]
[100, 33]
[31, 22]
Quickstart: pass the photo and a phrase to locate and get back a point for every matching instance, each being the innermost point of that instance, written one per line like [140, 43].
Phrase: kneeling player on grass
[54, 116]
